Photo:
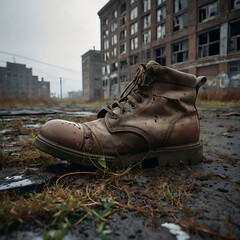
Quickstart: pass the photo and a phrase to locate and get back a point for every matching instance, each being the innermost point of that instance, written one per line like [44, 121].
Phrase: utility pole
[60, 87]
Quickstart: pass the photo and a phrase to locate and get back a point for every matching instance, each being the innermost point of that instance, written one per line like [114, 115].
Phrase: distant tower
[91, 75]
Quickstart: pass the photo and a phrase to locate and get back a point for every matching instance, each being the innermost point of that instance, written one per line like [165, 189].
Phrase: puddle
[5, 130]
[36, 125]
[80, 114]
[9, 144]
[7, 119]
[29, 119]
[21, 136]
[12, 149]
[24, 112]
[176, 230]
[5, 138]
[15, 182]
[14, 177]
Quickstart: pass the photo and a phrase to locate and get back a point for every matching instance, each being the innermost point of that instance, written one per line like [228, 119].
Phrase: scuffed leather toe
[64, 133]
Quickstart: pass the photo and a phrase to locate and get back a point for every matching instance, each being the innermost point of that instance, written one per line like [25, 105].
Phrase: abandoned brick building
[17, 81]
[201, 37]
[91, 75]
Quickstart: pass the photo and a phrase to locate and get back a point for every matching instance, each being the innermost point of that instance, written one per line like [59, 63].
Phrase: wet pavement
[186, 202]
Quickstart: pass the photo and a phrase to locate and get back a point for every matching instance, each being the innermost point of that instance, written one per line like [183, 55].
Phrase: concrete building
[75, 94]
[17, 81]
[91, 75]
[201, 37]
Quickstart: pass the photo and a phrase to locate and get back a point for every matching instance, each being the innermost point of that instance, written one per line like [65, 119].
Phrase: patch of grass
[53, 101]
[10, 102]
[53, 205]
[220, 95]
[61, 204]
[28, 156]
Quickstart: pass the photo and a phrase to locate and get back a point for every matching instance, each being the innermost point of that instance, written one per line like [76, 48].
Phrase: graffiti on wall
[224, 81]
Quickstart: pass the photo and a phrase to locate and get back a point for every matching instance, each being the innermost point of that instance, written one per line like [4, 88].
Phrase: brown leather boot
[155, 118]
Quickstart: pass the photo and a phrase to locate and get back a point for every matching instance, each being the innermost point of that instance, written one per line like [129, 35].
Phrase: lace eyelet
[124, 111]
[132, 106]
[113, 116]
[140, 100]
[145, 95]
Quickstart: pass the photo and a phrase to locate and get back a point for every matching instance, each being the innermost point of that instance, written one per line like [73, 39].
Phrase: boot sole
[187, 154]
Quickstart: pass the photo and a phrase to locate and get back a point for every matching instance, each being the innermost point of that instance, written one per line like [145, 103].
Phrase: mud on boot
[154, 118]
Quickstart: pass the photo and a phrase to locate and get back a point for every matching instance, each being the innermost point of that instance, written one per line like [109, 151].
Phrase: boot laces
[135, 88]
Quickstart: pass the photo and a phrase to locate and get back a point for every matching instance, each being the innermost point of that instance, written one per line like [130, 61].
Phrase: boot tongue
[150, 70]
[150, 64]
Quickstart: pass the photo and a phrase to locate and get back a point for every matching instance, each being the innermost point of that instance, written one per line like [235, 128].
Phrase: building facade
[17, 81]
[75, 94]
[91, 75]
[201, 37]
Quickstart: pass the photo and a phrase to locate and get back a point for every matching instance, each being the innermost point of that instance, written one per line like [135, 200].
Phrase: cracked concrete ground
[203, 199]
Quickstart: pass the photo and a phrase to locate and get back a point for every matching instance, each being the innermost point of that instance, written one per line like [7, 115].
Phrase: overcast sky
[57, 32]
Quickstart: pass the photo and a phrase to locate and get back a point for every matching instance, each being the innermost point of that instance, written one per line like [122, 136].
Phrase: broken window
[103, 70]
[134, 43]
[105, 82]
[145, 56]
[123, 78]
[161, 14]
[134, 13]
[180, 22]
[114, 39]
[106, 44]
[123, 34]
[146, 21]
[105, 21]
[180, 51]
[123, 48]
[123, 64]
[146, 37]
[235, 4]
[105, 34]
[234, 68]
[123, 20]
[159, 2]
[179, 5]
[209, 11]
[133, 59]
[132, 1]
[123, 7]
[160, 55]
[134, 28]
[114, 27]
[208, 43]
[106, 56]
[108, 69]
[114, 80]
[161, 31]
[114, 66]
[234, 40]
[114, 14]
[114, 52]
[146, 5]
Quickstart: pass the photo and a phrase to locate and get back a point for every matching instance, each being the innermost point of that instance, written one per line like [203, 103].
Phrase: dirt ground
[46, 198]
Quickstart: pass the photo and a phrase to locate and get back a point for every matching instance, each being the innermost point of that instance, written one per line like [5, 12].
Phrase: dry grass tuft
[226, 157]
[223, 95]
[9, 102]
[161, 195]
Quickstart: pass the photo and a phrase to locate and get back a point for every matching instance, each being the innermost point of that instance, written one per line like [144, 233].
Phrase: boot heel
[175, 156]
